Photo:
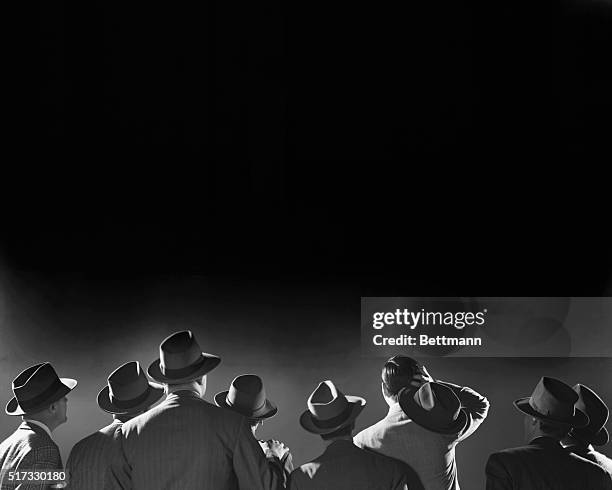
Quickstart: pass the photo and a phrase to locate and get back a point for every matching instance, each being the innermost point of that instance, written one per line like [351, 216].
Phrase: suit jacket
[430, 455]
[29, 448]
[587, 452]
[543, 465]
[184, 443]
[345, 466]
[90, 459]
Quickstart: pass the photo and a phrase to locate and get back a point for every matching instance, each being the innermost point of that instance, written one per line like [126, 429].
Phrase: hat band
[334, 421]
[41, 397]
[132, 402]
[181, 372]
[231, 404]
[547, 413]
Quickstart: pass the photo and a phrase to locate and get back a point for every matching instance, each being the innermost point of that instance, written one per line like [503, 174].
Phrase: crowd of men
[163, 435]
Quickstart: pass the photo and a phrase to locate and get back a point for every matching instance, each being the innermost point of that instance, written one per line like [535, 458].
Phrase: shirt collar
[40, 424]
[395, 409]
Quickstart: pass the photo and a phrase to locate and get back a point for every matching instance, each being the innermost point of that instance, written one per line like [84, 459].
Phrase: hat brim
[579, 420]
[206, 364]
[153, 396]
[423, 419]
[268, 410]
[600, 438]
[307, 420]
[13, 408]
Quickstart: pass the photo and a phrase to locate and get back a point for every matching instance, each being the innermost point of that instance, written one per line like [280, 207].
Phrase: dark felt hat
[128, 391]
[434, 407]
[181, 360]
[553, 401]
[247, 396]
[36, 388]
[589, 402]
[329, 409]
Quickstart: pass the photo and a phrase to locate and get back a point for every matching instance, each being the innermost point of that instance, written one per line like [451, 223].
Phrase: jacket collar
[35, 426]
[547, 442]
[183, 394]
[339, 447]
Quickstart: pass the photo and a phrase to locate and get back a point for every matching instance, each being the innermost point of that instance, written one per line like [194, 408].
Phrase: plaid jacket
[29, 448]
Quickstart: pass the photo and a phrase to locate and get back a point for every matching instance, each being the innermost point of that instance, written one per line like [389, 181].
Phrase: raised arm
[475, 405]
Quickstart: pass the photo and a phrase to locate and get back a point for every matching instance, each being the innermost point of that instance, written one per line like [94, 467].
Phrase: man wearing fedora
[40, 399]
[184, 442]
[127, 394]
[581, 441]
[247, 396]
[332, 415]
[425, 422]
[550, 413]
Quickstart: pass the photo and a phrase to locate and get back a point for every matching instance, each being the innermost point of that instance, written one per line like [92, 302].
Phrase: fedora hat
[181, 360]
[590, 403]
[434, 407]
[329, 409]
[553, 401]
[36, 388]
[128, 391]
[247, 396]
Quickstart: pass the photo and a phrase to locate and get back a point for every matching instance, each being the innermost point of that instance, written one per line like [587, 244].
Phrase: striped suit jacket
[186, 443]
[29, 448]
[344, 466]
[90, 458]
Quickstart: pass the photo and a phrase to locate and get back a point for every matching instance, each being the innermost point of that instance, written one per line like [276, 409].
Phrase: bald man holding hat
[40, 399]
[343, 465]
[550, 413]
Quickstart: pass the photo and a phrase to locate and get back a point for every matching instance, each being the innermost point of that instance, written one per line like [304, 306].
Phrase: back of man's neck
[39, 423]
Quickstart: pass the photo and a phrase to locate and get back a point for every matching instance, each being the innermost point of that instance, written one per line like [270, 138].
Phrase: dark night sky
[249, 171]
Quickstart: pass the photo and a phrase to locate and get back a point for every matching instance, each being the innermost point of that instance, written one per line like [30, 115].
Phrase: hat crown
[598, 413]
[439, 401]
[127, 382]
[33, 381]
[246, 393]
[327, 401]
[554, 399]
[179, 350]
[590, 403]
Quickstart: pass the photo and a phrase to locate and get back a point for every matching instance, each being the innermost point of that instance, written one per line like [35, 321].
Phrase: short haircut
[554, 430]
[347, 430]
[397, 374]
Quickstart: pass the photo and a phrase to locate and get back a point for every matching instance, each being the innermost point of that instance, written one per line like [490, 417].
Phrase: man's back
[29, 448]
[430, 454]
[345, 466]
[90, 459]
[543, 465]
[186, 443]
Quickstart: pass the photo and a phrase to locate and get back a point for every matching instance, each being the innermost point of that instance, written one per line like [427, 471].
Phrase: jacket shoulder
[191, 411]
